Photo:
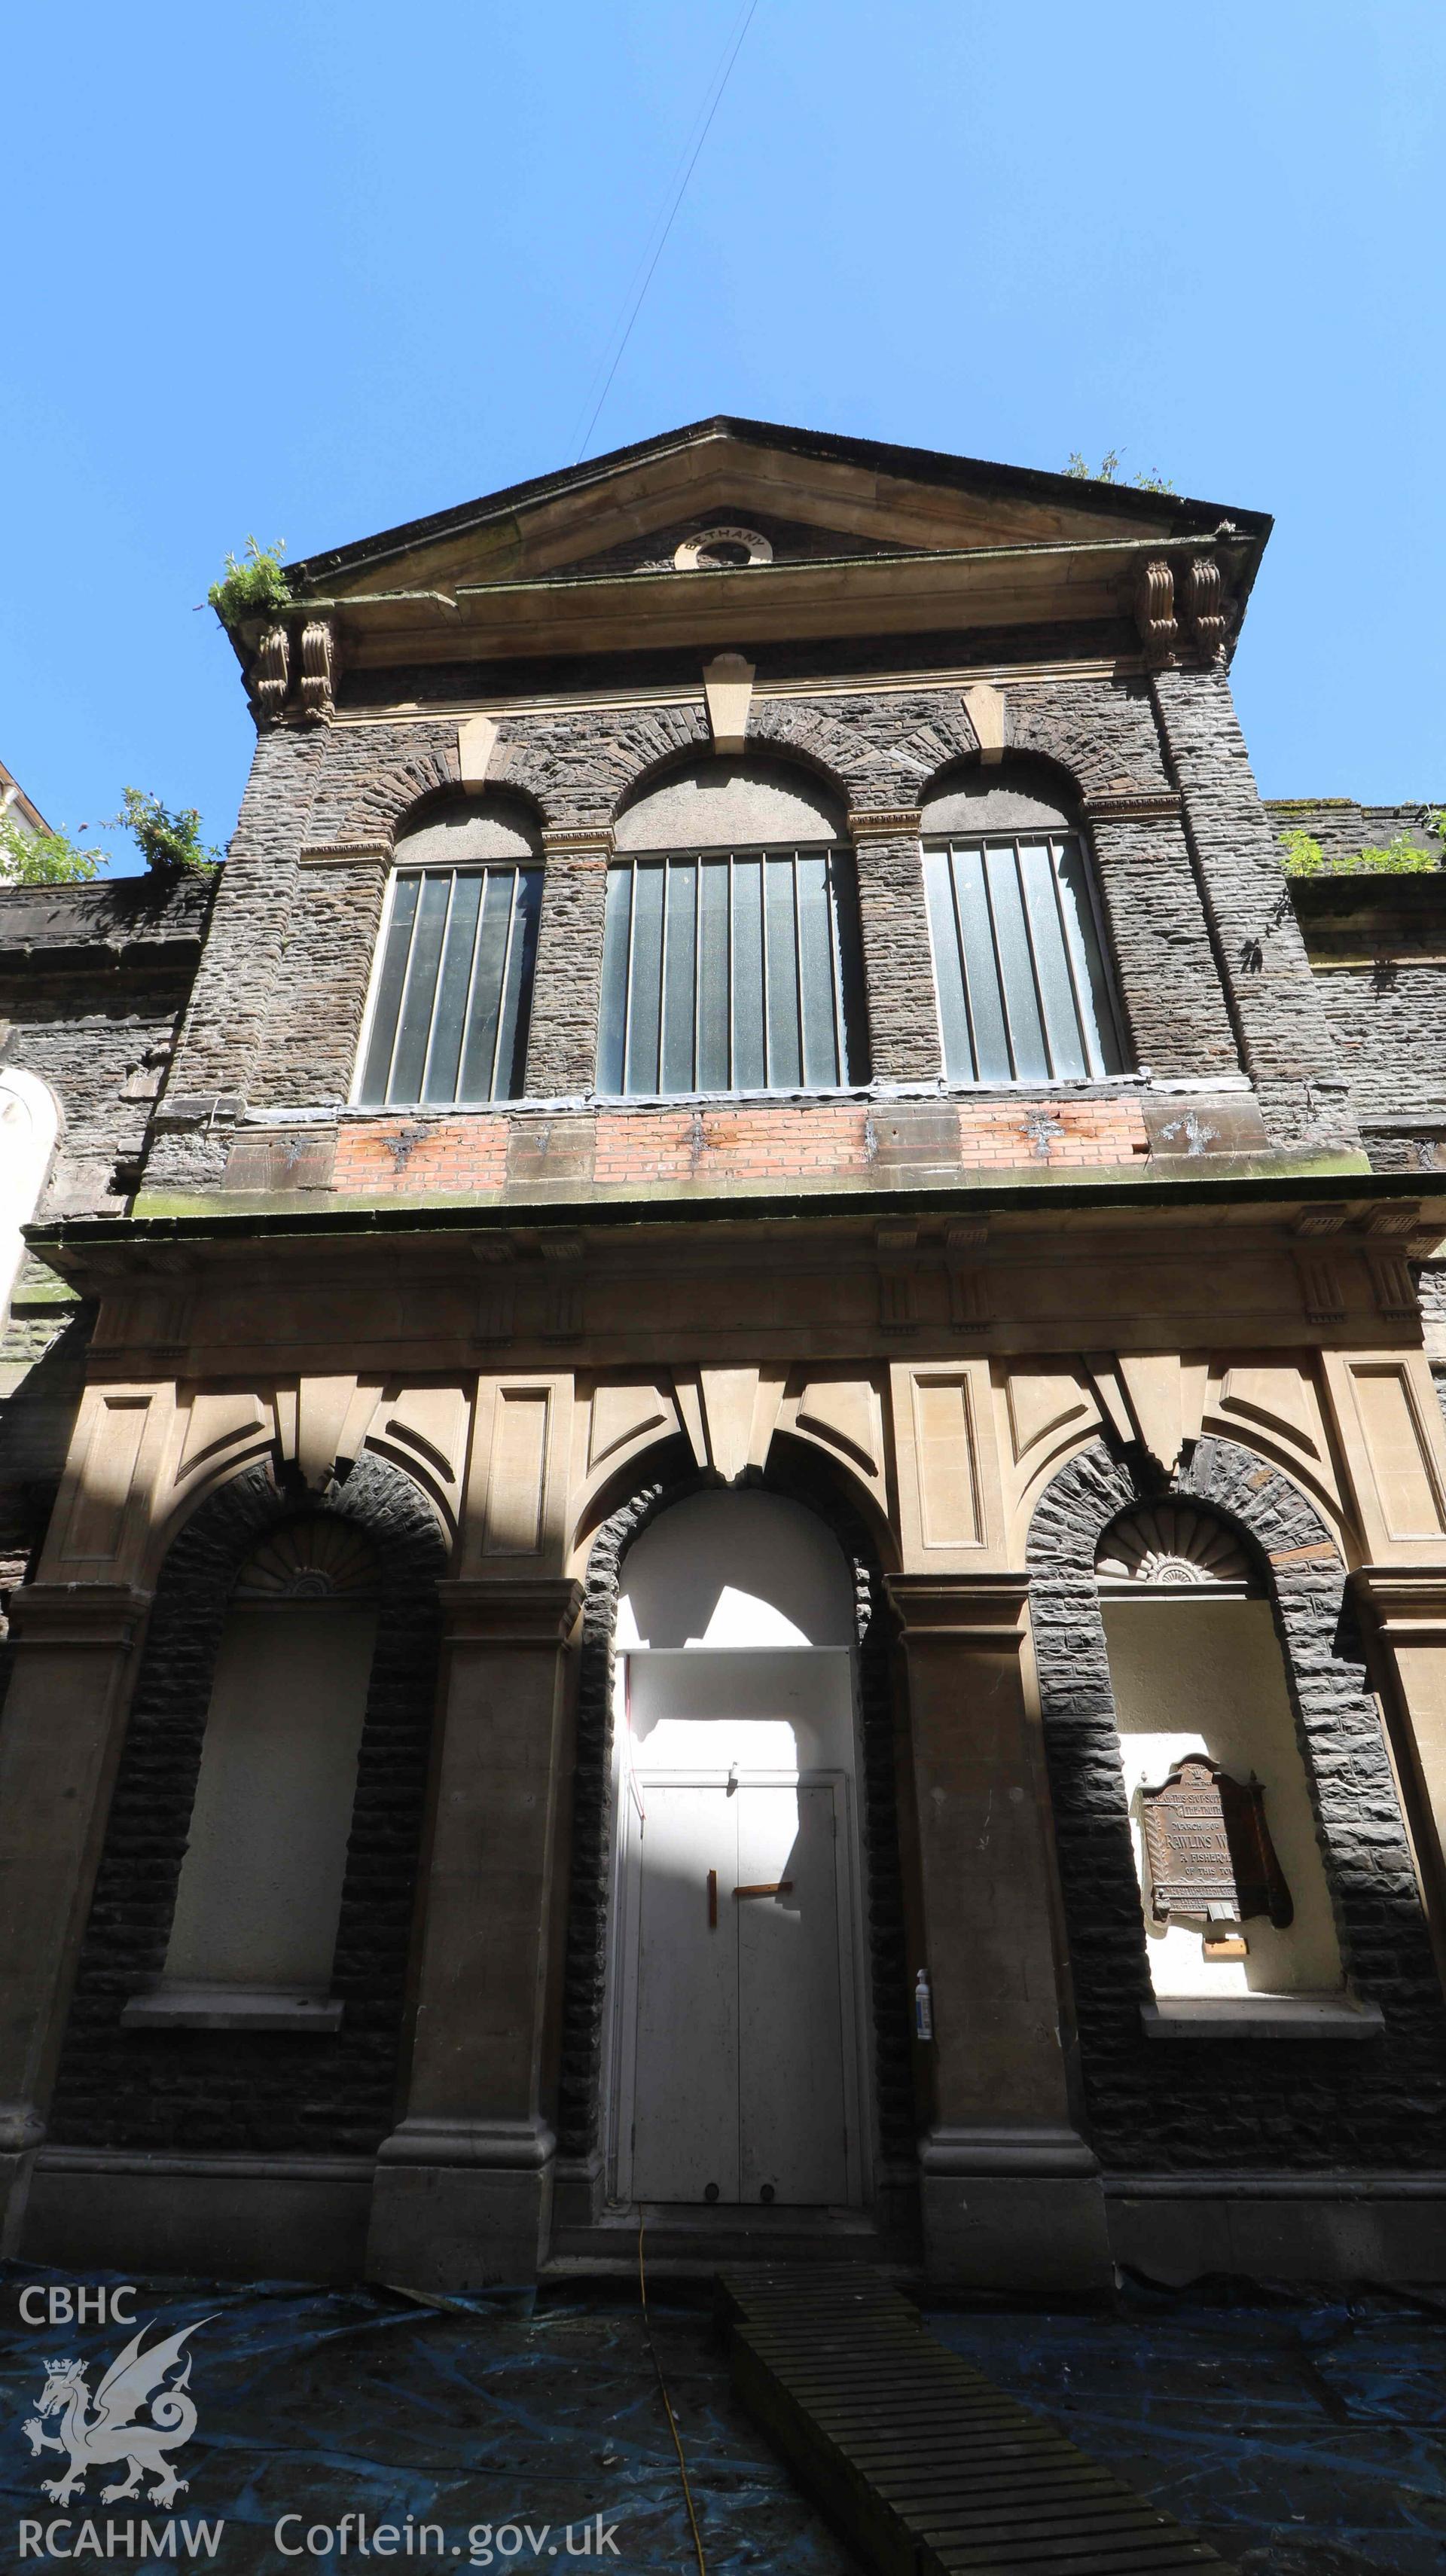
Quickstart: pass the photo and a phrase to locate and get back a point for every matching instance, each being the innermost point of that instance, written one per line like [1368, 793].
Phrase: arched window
[1231, 1878]
[730, 960]
[453, 985]
[1019, 957]
[259, 1897]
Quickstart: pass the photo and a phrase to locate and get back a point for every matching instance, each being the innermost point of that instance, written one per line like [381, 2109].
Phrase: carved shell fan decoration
[318, 1559]
[1171, 1543]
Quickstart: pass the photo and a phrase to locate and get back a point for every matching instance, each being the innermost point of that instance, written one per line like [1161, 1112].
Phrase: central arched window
[453, 986]
[1019, 954]
[730, 957]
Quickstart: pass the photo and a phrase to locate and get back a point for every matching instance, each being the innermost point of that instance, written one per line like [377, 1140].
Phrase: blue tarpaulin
[1303, 2436]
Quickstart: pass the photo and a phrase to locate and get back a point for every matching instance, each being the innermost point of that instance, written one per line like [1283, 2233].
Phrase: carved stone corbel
[320, 670]
[1155, 614]
[271, 674]
[1208, 607]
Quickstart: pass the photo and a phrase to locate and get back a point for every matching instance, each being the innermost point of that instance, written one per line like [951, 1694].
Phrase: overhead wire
[678, 189]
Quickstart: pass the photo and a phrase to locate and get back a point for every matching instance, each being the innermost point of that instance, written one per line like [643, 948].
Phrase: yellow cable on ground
[668, 2408]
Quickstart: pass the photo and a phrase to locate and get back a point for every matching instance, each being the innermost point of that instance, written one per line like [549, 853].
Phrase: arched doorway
[737, 2074]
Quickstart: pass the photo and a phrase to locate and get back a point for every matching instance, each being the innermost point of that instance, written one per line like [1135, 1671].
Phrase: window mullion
[1035, 977]
[502, 988]
[969, 1019]
[1084, 1019]
[628, 984]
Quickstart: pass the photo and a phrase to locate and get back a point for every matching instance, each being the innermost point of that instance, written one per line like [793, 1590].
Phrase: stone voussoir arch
[655, 1479]
[129, 2089]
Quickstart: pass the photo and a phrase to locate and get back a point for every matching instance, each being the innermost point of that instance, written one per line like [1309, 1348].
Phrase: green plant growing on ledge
[1108, 471]
[1401, 857]
[43, 858]
[165, 840]
[256, 586]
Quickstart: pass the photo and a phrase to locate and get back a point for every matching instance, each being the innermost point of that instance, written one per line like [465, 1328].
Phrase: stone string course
[280, 2093]
[631, 1148]
[1180, 2106]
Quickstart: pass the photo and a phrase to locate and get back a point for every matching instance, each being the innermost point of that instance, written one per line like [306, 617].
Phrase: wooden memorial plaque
[1209, 1847]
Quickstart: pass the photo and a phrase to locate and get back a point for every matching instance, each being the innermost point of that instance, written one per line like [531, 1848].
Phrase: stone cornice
[987, 1607]
[509, 1609]
[346, 854]
[72, 1615]
[885, 823]
[562, 840]
[1406, 1604]
[1141, 805]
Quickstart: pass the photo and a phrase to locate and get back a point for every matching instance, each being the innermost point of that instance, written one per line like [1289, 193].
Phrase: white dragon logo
[112, 2432]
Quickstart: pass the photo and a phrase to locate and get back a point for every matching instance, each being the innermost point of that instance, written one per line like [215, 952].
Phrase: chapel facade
[723, 1489]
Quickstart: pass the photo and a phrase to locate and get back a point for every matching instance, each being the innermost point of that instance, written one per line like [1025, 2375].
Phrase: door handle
[778, 1887]
[712, 1900]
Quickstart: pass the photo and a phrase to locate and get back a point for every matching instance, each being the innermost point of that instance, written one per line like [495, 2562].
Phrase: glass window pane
[475, 1080]
[749, 1065]
[851, 1018]
[959, 1065]
[453, 986]
[1091, 974]
[1067, 1056]
[784, 1057]
[613, 1000]
[421, 992]
[981, 968]
[714, 976]
[526, 891]
[373, 1087]
[1016, 964]
[728, 973]
[645, 981]
[816, 971]
[679, 949]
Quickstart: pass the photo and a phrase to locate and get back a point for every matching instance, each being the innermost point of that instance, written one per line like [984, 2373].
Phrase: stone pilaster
[1403, 1614]
[562, 1032]
[464, 2184]
[903, 1013]
[64, 1717]
[1280, 1020]
[1011, 2192]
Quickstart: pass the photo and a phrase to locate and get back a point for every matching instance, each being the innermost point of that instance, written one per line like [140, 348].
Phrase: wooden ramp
[920, 2463]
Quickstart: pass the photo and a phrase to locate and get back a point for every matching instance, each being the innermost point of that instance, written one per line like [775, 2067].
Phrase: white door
[741, 2088]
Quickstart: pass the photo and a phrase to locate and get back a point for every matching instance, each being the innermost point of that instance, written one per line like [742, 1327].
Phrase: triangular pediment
[810, 496]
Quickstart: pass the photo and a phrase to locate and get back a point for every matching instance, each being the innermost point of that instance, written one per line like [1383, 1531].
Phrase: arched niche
[469, 831]
[1197, 1674]
[1020, 795]
[157, 2079]
[729, 804]
[29, 1125]
[258, 1901]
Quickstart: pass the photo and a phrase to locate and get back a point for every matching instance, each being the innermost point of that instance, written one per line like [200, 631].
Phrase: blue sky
[310, 271]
